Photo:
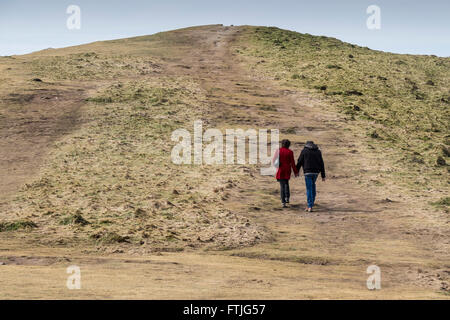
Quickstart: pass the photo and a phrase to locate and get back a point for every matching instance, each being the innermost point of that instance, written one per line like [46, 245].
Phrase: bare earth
[319, 255]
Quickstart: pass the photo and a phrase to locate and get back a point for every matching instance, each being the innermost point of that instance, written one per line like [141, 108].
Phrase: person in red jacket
[284, 160]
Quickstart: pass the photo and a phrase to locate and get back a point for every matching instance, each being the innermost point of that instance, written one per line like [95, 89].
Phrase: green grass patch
[443, 203]
[17, 225]
[75, 219]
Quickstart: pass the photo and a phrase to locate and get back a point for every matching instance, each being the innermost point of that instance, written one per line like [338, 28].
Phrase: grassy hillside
[85, 145]
[399, 105]
[110, 180]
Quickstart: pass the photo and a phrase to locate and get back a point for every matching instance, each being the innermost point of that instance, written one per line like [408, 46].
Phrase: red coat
[287, 163]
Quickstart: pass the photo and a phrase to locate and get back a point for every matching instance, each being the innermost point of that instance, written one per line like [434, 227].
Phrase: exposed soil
[30, 123]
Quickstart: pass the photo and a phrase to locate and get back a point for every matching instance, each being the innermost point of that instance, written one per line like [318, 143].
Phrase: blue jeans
[310, 181]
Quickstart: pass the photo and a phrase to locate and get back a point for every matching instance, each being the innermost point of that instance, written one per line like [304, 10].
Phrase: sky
[406, 26]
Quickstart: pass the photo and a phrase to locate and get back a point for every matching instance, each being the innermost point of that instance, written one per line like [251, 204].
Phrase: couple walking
[310, 159]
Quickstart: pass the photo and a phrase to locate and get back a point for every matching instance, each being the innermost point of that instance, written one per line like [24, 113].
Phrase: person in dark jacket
[286, 163]
[312, 162]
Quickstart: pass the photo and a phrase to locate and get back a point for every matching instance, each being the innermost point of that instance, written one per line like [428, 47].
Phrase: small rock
[353, 93]
[2, 263]
[440, 161]
[140, 212]
[446, 151]
[417, 160]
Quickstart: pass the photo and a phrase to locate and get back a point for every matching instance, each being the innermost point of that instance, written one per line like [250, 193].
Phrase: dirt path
[30, 123]
[352, 226]
[320, 255]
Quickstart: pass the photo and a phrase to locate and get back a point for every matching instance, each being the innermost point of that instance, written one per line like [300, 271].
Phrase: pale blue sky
[407, 26]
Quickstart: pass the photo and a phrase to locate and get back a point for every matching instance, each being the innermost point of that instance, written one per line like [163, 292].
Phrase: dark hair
[285, 143]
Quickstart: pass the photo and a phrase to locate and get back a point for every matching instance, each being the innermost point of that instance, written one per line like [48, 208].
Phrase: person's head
[311, 145]
[285, 143]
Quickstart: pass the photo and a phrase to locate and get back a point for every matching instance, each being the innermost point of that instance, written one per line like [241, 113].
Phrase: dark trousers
[284, 190]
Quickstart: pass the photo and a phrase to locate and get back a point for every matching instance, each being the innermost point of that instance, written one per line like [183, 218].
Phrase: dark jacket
[311, 160]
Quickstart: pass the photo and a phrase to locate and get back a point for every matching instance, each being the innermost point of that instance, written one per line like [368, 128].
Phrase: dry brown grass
[112, 180]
